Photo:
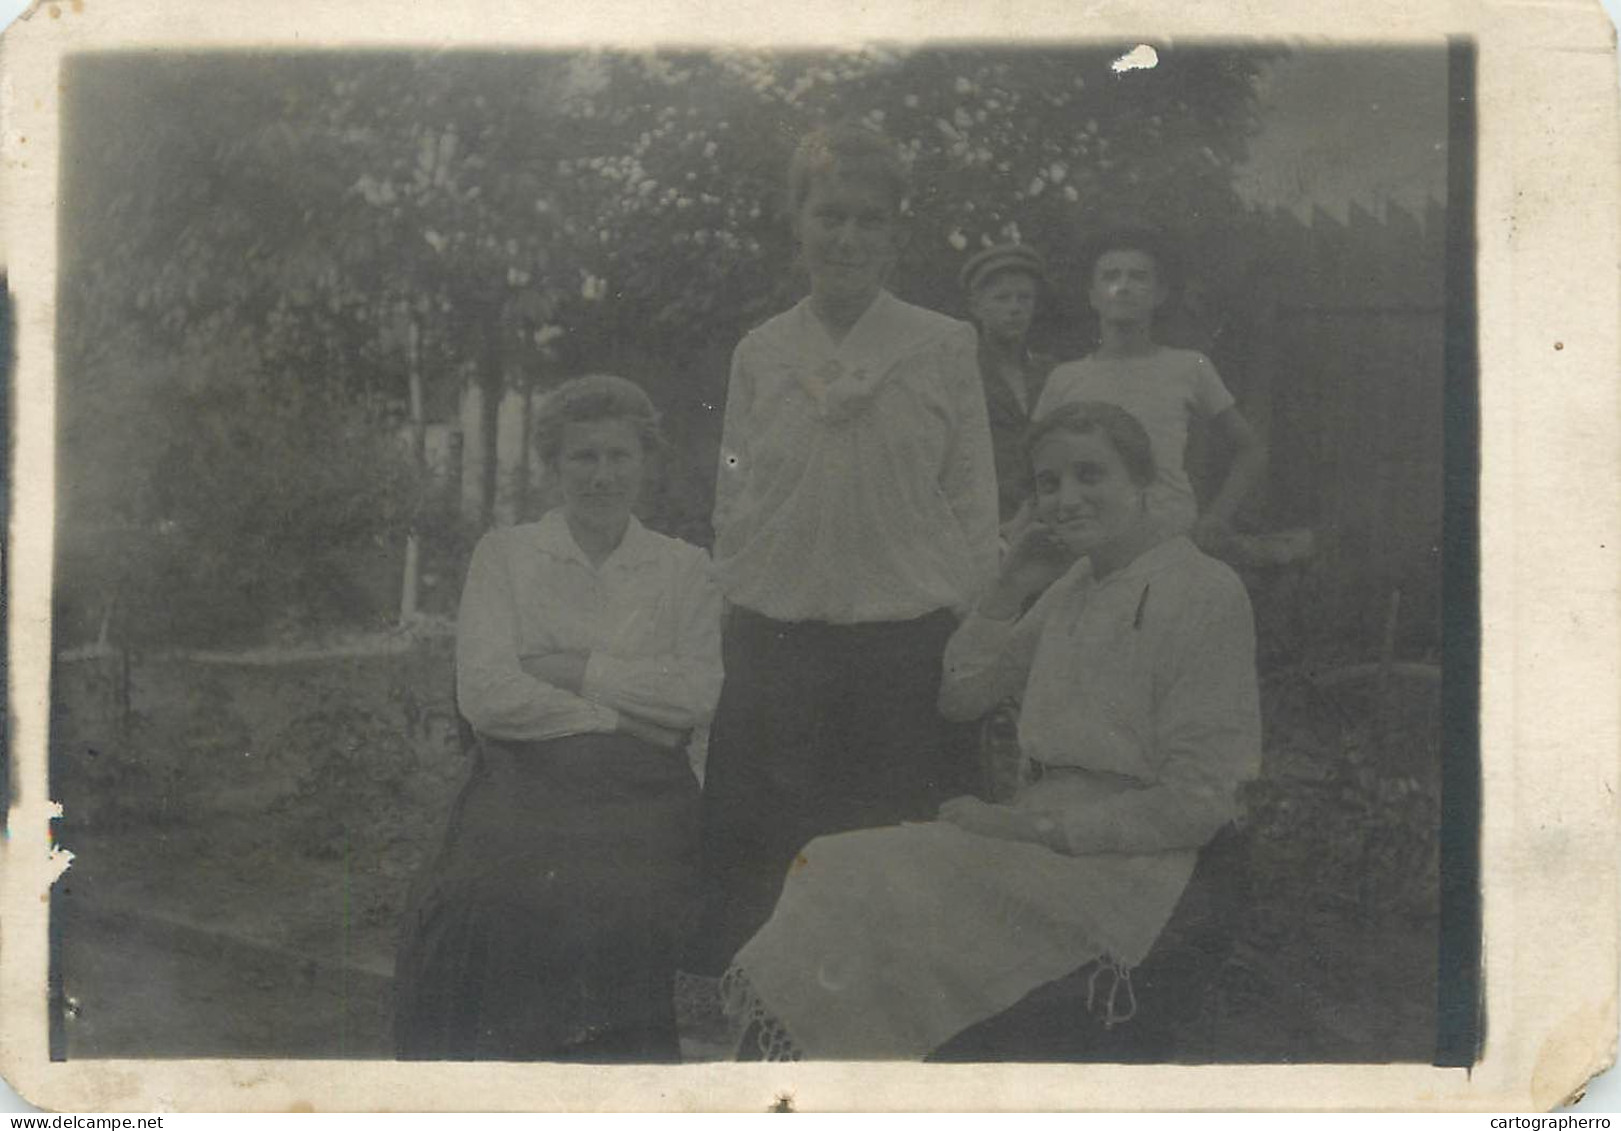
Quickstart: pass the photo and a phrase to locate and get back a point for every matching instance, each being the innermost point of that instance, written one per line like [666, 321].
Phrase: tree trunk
[490, 380]
[473, 451]
[511, 430]
[411, 583]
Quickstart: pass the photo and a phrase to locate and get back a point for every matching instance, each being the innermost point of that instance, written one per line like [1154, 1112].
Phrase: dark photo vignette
[334, 973]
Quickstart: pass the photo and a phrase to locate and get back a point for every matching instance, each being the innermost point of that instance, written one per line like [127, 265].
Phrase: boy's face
[1126, 286]
[1004, 306]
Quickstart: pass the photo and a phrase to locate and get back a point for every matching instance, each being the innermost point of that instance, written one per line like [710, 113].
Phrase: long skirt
[820, 728]
[546, 928]
[888, 942]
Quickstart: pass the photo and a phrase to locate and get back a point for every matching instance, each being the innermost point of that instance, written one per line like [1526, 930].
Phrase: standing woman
[586, 649]
[855, 518]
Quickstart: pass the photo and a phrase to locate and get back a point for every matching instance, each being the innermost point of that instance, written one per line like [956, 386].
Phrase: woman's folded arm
[493, 692]
[677, 689]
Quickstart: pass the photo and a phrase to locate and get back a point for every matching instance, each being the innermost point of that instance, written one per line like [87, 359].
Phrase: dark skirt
[821, 728]
[546, 927]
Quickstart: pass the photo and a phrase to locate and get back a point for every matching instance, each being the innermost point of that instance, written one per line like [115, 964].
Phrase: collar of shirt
[887, 331]
[1141, 568]
[637, 548]
[844, 378]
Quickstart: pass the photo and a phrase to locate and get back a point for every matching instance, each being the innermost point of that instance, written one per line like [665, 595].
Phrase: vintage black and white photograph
[915, 552]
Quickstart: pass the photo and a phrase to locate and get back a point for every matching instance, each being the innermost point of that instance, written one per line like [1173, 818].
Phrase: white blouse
[648, 618]
[1146, 677]
[856, 481]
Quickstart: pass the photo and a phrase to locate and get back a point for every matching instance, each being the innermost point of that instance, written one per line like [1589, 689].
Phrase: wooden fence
[1331, 336]
[1339, 360]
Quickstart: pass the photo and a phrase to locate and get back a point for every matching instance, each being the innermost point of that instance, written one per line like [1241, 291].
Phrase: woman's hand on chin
[1013, 528]
[1036, 559]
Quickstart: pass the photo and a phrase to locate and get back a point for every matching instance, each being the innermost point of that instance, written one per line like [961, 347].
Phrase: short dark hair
[1151, 241]
[847, 150]
[584, 400]
[1124, 432]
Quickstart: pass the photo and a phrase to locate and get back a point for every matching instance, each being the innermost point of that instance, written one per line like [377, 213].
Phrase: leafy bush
[274, 508]
[1346, 817]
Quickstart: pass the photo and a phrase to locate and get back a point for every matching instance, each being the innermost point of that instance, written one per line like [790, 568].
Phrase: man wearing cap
[1003, 285]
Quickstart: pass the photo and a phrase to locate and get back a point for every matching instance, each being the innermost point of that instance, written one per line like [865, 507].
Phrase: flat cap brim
[1004, 257]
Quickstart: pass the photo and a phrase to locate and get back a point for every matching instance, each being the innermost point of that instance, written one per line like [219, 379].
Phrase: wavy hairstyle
[583, 400]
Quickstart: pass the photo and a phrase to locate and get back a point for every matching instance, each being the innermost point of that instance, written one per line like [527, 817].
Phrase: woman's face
[1084, 492]
[1126, 286]
[847, 235]
[599, 465]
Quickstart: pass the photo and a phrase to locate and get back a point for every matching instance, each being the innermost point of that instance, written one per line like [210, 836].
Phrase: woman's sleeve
[988, 661]
[679, 688]
[1207, 728]
[734, 447]
[493, 692]
[969, 478]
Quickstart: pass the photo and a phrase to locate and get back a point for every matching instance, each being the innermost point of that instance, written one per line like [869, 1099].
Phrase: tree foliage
[252, 230]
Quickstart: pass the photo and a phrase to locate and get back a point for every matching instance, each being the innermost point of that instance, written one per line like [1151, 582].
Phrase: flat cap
[1003, 257]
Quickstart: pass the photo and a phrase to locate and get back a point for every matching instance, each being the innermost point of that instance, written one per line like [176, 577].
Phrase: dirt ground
[244, 836]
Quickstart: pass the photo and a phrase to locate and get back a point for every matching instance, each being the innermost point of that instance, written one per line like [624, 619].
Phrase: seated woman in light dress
[586, 649]
[1140, 722]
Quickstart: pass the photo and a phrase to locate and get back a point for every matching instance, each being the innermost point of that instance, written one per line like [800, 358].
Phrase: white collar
[1156, 558]
[843, 379]
[887, 330]
[554, 538]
